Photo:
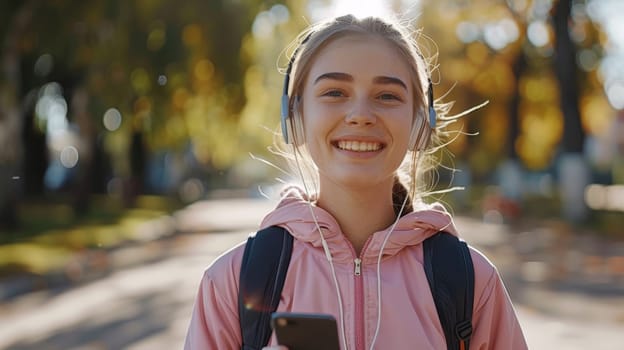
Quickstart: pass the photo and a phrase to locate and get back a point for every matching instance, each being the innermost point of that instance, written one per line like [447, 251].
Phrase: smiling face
[357, 110]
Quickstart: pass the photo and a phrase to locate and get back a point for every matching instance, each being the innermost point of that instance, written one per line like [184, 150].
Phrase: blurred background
[116, 114]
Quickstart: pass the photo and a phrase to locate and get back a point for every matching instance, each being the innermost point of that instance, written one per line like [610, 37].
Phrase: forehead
[362, 56]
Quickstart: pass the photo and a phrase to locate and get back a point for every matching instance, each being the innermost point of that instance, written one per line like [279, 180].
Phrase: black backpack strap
[263, 271]
[450, 273]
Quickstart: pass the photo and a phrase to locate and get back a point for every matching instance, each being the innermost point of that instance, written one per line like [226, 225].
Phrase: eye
[333, 93]
[386, 96]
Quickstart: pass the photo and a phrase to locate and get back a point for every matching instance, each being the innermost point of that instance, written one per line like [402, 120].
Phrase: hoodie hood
[297, 214]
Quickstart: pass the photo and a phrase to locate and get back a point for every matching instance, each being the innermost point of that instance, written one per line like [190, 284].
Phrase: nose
[361, 113]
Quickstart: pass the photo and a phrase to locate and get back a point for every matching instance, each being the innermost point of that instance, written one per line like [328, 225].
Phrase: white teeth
[359, 146]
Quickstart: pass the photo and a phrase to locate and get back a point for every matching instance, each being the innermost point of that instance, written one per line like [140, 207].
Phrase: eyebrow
[389, 80]
[384, 80]
[334, 76]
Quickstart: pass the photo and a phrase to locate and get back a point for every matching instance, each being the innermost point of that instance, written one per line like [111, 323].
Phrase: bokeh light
[265, 21]
[112, 119]
[538, 33]
[320, 9]
[69, 157]
[615, 94]
[501, 33]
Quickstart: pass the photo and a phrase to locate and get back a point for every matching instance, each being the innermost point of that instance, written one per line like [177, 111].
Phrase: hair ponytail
[399, 196]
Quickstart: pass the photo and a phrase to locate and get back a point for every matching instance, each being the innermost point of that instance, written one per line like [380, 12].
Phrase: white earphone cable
[333, 271]
[383, 245]
[327, 252]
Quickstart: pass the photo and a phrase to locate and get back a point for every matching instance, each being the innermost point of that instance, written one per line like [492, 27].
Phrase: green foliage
[194, 73]
[504, 52]
[174, 70]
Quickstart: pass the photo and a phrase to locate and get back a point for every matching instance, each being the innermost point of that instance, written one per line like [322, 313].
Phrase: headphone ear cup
[286, 121]
[292, 123]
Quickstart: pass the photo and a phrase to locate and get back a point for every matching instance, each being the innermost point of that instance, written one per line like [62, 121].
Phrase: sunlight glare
[359, 8]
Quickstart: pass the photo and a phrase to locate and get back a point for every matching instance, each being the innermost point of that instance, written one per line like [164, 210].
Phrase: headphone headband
[285, 102]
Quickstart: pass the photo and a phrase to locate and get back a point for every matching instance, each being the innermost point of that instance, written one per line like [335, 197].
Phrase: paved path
[147, 305]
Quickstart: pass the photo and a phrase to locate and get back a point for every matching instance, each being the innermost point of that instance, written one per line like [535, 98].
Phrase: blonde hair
[409, 180]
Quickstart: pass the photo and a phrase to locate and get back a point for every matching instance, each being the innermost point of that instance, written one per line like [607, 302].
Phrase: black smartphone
[305, 331]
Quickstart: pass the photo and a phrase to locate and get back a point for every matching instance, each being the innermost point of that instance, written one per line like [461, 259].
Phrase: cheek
[401, 128]
[316, 122]
[314, 138]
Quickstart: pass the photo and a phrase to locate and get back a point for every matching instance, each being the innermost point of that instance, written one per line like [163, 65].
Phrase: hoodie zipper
[358, 266]
[360, 339]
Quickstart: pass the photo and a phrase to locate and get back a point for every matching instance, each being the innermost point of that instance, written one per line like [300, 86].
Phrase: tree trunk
[83, 184]
[518, 68]
[33, 140]
[134, 184]
[566, 71]
[510, 172]
[573, 171]
[11, 154]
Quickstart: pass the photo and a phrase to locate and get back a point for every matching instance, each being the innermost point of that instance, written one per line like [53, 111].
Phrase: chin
[362, 180]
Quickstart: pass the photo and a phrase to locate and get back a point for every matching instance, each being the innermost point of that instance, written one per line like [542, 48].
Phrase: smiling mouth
[359, 146]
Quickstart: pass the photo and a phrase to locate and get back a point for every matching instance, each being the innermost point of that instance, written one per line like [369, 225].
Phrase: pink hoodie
[408, 316]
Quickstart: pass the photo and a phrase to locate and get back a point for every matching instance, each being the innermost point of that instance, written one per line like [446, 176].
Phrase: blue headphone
[421, 131]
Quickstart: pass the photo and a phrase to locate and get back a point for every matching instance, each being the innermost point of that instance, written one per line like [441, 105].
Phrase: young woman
[358, 110]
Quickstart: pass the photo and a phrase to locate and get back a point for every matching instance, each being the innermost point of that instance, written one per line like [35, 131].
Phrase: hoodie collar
[300, 217]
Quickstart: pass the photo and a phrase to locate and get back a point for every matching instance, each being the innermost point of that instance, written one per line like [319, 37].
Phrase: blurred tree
[537, 62]
[482, 56]
[564, 63]
[504, 51]
[268, 46]
[574, 175]
[199, 76]
[15, 17]
[135, 78]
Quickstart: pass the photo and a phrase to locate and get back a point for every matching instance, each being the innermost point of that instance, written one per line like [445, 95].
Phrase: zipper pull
[358, 266]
